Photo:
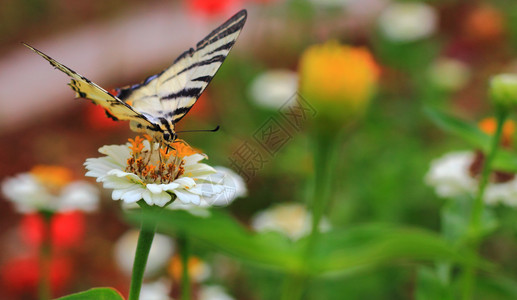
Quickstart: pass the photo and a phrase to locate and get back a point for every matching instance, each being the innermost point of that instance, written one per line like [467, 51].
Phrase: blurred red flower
[203, 108]
[97, 119]
[66, 229]
[213, 7]
[20, 275]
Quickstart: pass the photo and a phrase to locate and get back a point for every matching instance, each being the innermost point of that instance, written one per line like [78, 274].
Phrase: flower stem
[145, 240]
[44, 290]
[325, 145]
[469, 275]
[183, 244]
[294, 286]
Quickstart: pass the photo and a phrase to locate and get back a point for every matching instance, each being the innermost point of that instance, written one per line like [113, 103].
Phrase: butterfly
[155, 105]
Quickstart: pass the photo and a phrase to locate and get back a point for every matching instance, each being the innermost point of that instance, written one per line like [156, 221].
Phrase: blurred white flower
[161, 250]
[408, 21]
[136, 171]
[273, 89]
[450, 176]
[291, 219]
[449, 74]
[213, 292]
[49, 188]
[158, 290]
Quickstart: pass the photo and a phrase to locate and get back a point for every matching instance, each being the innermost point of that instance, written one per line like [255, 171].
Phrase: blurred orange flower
[489, 125]
[338, 80]
[197, 269]
[485, 23]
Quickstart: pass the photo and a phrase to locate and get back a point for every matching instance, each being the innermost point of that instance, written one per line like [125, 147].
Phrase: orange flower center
[53, 177]
[162, 163]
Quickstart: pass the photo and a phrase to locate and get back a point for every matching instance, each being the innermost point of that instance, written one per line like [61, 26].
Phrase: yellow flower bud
[503, 90]
[338, 81]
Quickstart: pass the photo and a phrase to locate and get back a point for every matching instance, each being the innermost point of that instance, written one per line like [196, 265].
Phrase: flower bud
[503, 90]
[338, 81]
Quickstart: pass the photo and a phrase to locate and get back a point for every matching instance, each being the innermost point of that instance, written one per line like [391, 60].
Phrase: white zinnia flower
[291, 219]
[135, 171]
[449, 74]
[50, 188]
[450, 176]
[162, 249]
[273, 89]
[408, 21]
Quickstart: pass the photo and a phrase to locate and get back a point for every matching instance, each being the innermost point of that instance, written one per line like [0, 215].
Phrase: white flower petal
[187, 197]
[161, 199]
[185, 182]
[193, 159]
[155, 188]
[133, 195]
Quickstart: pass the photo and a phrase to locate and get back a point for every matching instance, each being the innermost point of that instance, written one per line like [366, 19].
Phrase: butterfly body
[160, 101]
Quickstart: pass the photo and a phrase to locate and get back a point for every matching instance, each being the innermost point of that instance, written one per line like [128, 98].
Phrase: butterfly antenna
[202, 130]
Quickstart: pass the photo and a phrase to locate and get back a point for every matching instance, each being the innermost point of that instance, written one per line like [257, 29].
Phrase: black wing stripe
[224, 29]
[217, 58]
[203, 78]
[178, 111]
[191, 92]
[226, 46]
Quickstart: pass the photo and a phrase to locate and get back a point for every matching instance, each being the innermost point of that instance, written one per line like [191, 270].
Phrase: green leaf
[455, 220]
[221, 231]
[430, 286]
[337, 250]
[374, 244]
[496, 287]
[467, 131]
[504, 161]
[95, 294]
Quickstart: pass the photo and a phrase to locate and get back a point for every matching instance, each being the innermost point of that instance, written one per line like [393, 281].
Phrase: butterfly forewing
[170, 94]
[86, 89]
[163, 99]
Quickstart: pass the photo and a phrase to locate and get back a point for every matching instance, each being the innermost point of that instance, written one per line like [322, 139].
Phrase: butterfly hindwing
[170, 94]
[87, 89]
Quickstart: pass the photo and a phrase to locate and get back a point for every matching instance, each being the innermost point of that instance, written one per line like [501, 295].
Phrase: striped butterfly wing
[169, 95]
[84, 88]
